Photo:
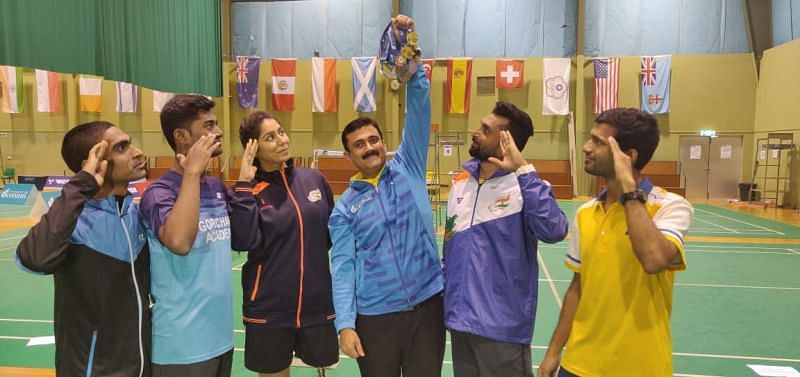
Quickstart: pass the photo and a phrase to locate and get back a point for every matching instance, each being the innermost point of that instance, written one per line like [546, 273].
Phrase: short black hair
[180, 111]
[636, 129]
[79, 141]
[519, 122]
[357, 124]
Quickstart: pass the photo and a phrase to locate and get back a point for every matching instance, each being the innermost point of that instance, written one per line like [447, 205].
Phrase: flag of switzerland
[509, 74]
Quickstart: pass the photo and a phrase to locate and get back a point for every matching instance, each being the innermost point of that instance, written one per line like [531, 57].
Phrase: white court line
[686, 354]
[736, 357]
[707, 285]
[549, 280]
[26, 320]
[738, 221]
[749, 231]
[6, 260]
[717, 225]
[738, 286]
[695, 248]
[11, 238]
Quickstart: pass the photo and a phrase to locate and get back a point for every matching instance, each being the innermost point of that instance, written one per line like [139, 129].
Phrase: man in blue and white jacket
[387, 278]
[498, 210]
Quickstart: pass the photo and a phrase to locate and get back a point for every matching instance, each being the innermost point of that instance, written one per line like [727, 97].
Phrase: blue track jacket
[384, 256]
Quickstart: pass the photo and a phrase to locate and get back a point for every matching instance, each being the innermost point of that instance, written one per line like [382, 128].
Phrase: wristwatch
[637, 194]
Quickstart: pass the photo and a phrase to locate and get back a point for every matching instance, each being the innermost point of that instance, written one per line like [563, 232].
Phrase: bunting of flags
[655, 77]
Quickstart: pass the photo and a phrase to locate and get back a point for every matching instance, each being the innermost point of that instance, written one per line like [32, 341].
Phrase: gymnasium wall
[708, 91]
[777, 100]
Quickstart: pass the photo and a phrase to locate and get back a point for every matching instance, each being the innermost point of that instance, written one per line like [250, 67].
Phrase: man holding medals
[387, 276]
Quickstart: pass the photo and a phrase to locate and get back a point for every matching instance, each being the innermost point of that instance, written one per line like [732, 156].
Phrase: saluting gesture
[95, 164]
[623, 169]
[512, 157]
[198, 157]
[247, 171]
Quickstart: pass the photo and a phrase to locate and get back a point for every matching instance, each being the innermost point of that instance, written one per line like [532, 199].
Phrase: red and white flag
[48, 92]
[323, 84]
[284, 72]
[428, 64]
[510, 74]
[606, 84]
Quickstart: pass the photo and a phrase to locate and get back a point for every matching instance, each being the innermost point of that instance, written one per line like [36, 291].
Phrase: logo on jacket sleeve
[500, 203]
[314, 196]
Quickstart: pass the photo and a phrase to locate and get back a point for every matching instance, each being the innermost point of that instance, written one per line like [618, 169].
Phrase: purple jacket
[491, 236]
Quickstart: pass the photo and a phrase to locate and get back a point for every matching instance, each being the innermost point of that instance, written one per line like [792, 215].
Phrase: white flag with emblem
[556, 86]
[364, 84]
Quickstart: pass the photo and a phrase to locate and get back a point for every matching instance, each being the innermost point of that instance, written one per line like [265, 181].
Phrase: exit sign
[709, 133]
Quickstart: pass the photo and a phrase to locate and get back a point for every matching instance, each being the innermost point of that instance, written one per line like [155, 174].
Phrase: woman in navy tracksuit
[279, 215]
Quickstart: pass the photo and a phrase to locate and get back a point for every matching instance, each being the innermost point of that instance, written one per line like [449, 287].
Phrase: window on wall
[785, 21]
[652, 27]
[504, 28]
[340, 29]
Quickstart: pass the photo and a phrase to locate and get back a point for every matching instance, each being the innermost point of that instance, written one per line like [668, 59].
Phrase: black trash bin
[745, 193]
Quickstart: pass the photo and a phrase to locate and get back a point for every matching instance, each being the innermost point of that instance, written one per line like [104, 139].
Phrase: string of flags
[49, 97]
[655, 78]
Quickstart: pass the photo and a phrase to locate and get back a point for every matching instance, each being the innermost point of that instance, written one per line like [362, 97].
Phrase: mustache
[370, 154]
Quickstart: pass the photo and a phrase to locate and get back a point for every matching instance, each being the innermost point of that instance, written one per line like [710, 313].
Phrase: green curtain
[168, 45]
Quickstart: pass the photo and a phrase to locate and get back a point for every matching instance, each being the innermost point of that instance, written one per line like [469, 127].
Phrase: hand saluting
[196, 160]
[512, 157]
[95, 164]
[247, 171]
[623, 169]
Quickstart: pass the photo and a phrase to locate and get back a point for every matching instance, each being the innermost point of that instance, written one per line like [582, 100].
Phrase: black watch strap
[639, 195]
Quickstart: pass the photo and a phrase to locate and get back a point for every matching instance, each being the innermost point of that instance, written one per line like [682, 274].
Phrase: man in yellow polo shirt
[625, 247]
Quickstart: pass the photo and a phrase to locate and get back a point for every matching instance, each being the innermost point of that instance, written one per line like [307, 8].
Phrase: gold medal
[408, 52]
[401, 61]
[412, 38]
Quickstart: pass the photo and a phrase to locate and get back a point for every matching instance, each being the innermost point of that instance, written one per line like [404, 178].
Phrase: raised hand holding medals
[399, 50]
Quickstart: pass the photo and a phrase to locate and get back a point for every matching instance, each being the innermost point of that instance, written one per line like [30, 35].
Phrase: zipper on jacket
[90, 362]
[302, 248]
[139, 304]
[475, 205]
[256, 284]
[394, 254]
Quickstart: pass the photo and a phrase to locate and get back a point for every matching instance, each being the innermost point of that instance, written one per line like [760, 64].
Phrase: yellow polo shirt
[621, 327]
[373, 181]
